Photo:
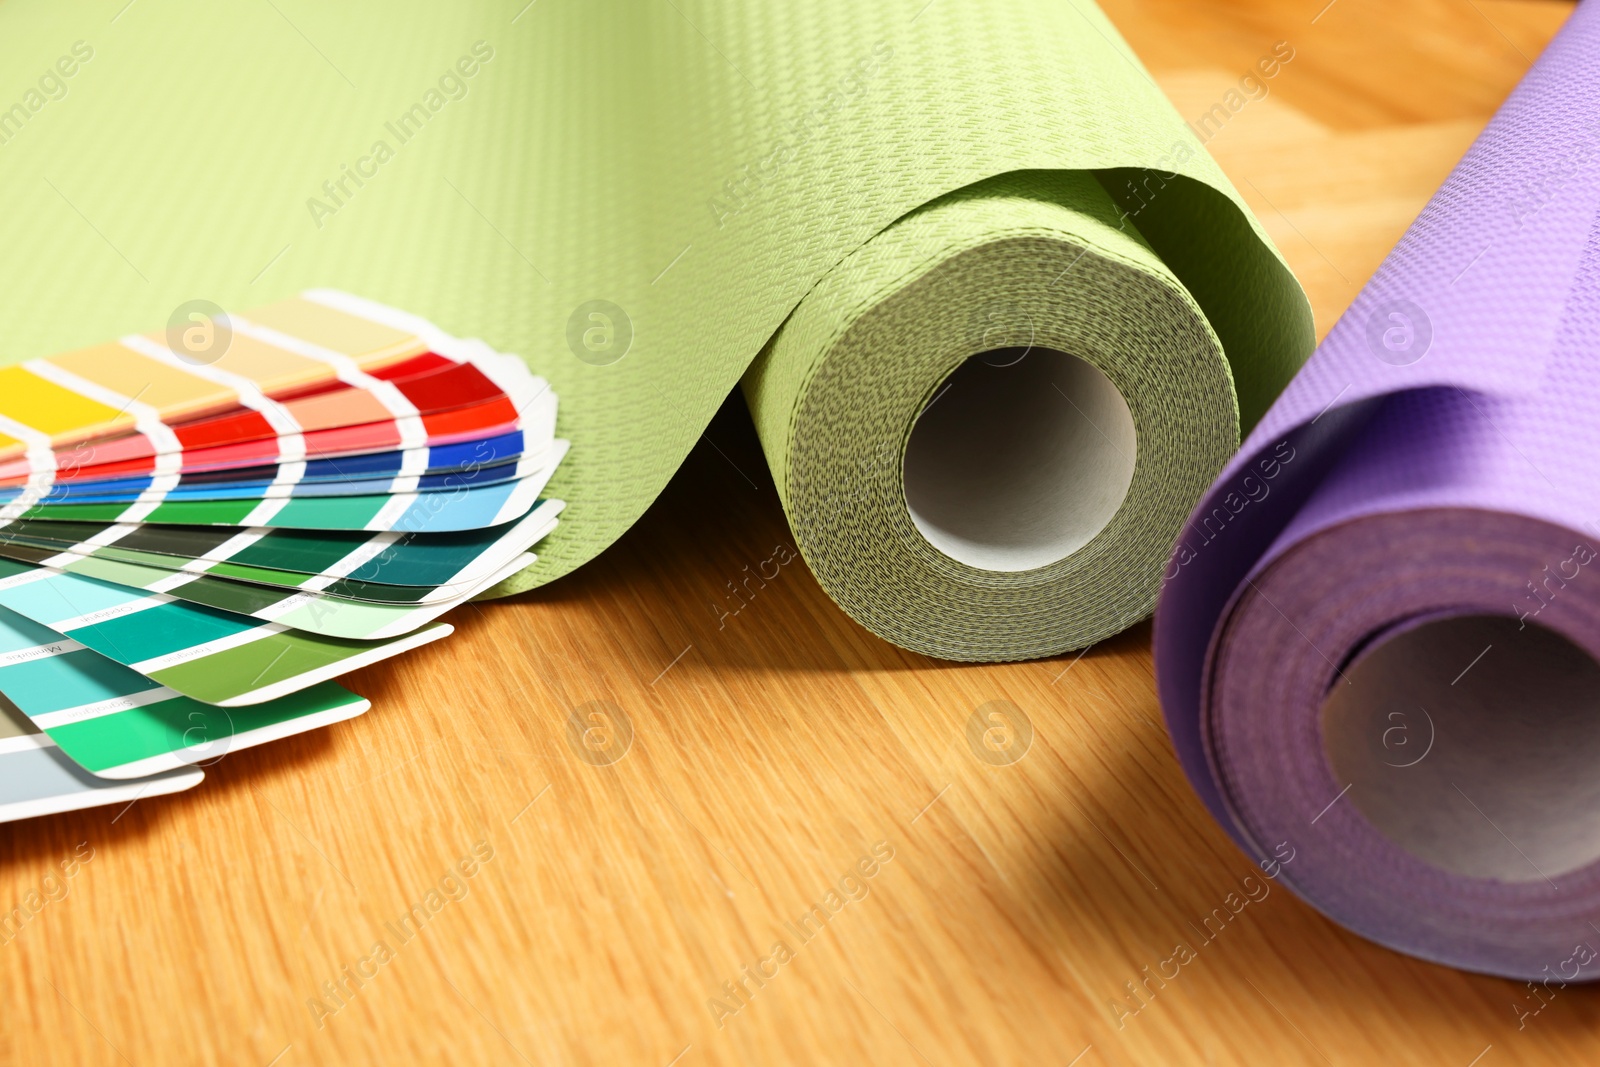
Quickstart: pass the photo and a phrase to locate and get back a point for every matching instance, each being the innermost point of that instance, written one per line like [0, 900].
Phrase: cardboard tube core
[1471, 741]
[1019, 460]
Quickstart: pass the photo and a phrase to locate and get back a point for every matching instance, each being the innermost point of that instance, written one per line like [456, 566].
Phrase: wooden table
[628, 871]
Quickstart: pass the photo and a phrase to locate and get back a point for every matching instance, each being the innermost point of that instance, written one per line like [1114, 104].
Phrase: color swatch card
[37, 778]
[467, 509]
[279, 481]
[118, 723]
[347, 563]
[201, 529]
[216, 656]
[312, 613]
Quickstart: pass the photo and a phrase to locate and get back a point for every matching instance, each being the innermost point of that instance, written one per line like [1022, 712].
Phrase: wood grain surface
[652, 791]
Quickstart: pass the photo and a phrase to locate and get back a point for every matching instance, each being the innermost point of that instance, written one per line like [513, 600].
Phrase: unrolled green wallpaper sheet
[650, 200]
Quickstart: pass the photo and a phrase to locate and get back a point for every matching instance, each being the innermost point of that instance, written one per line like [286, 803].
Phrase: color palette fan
[201, 529]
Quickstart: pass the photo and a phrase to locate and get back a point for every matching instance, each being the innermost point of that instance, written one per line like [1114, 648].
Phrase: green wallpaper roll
[640, 197]
[1017, 269]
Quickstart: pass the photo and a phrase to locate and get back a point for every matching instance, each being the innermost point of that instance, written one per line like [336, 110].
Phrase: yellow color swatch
[369, 343]
[64, 415]
[270, 367]
[173, 392]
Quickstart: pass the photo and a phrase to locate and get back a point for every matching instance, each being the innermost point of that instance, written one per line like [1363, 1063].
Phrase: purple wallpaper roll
[1376, 645]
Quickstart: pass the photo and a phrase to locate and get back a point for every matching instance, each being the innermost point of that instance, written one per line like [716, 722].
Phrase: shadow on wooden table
[1199, 926]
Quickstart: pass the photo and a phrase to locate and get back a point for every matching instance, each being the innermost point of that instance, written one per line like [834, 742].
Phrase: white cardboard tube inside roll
[1471, 742]
[1021, 458]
